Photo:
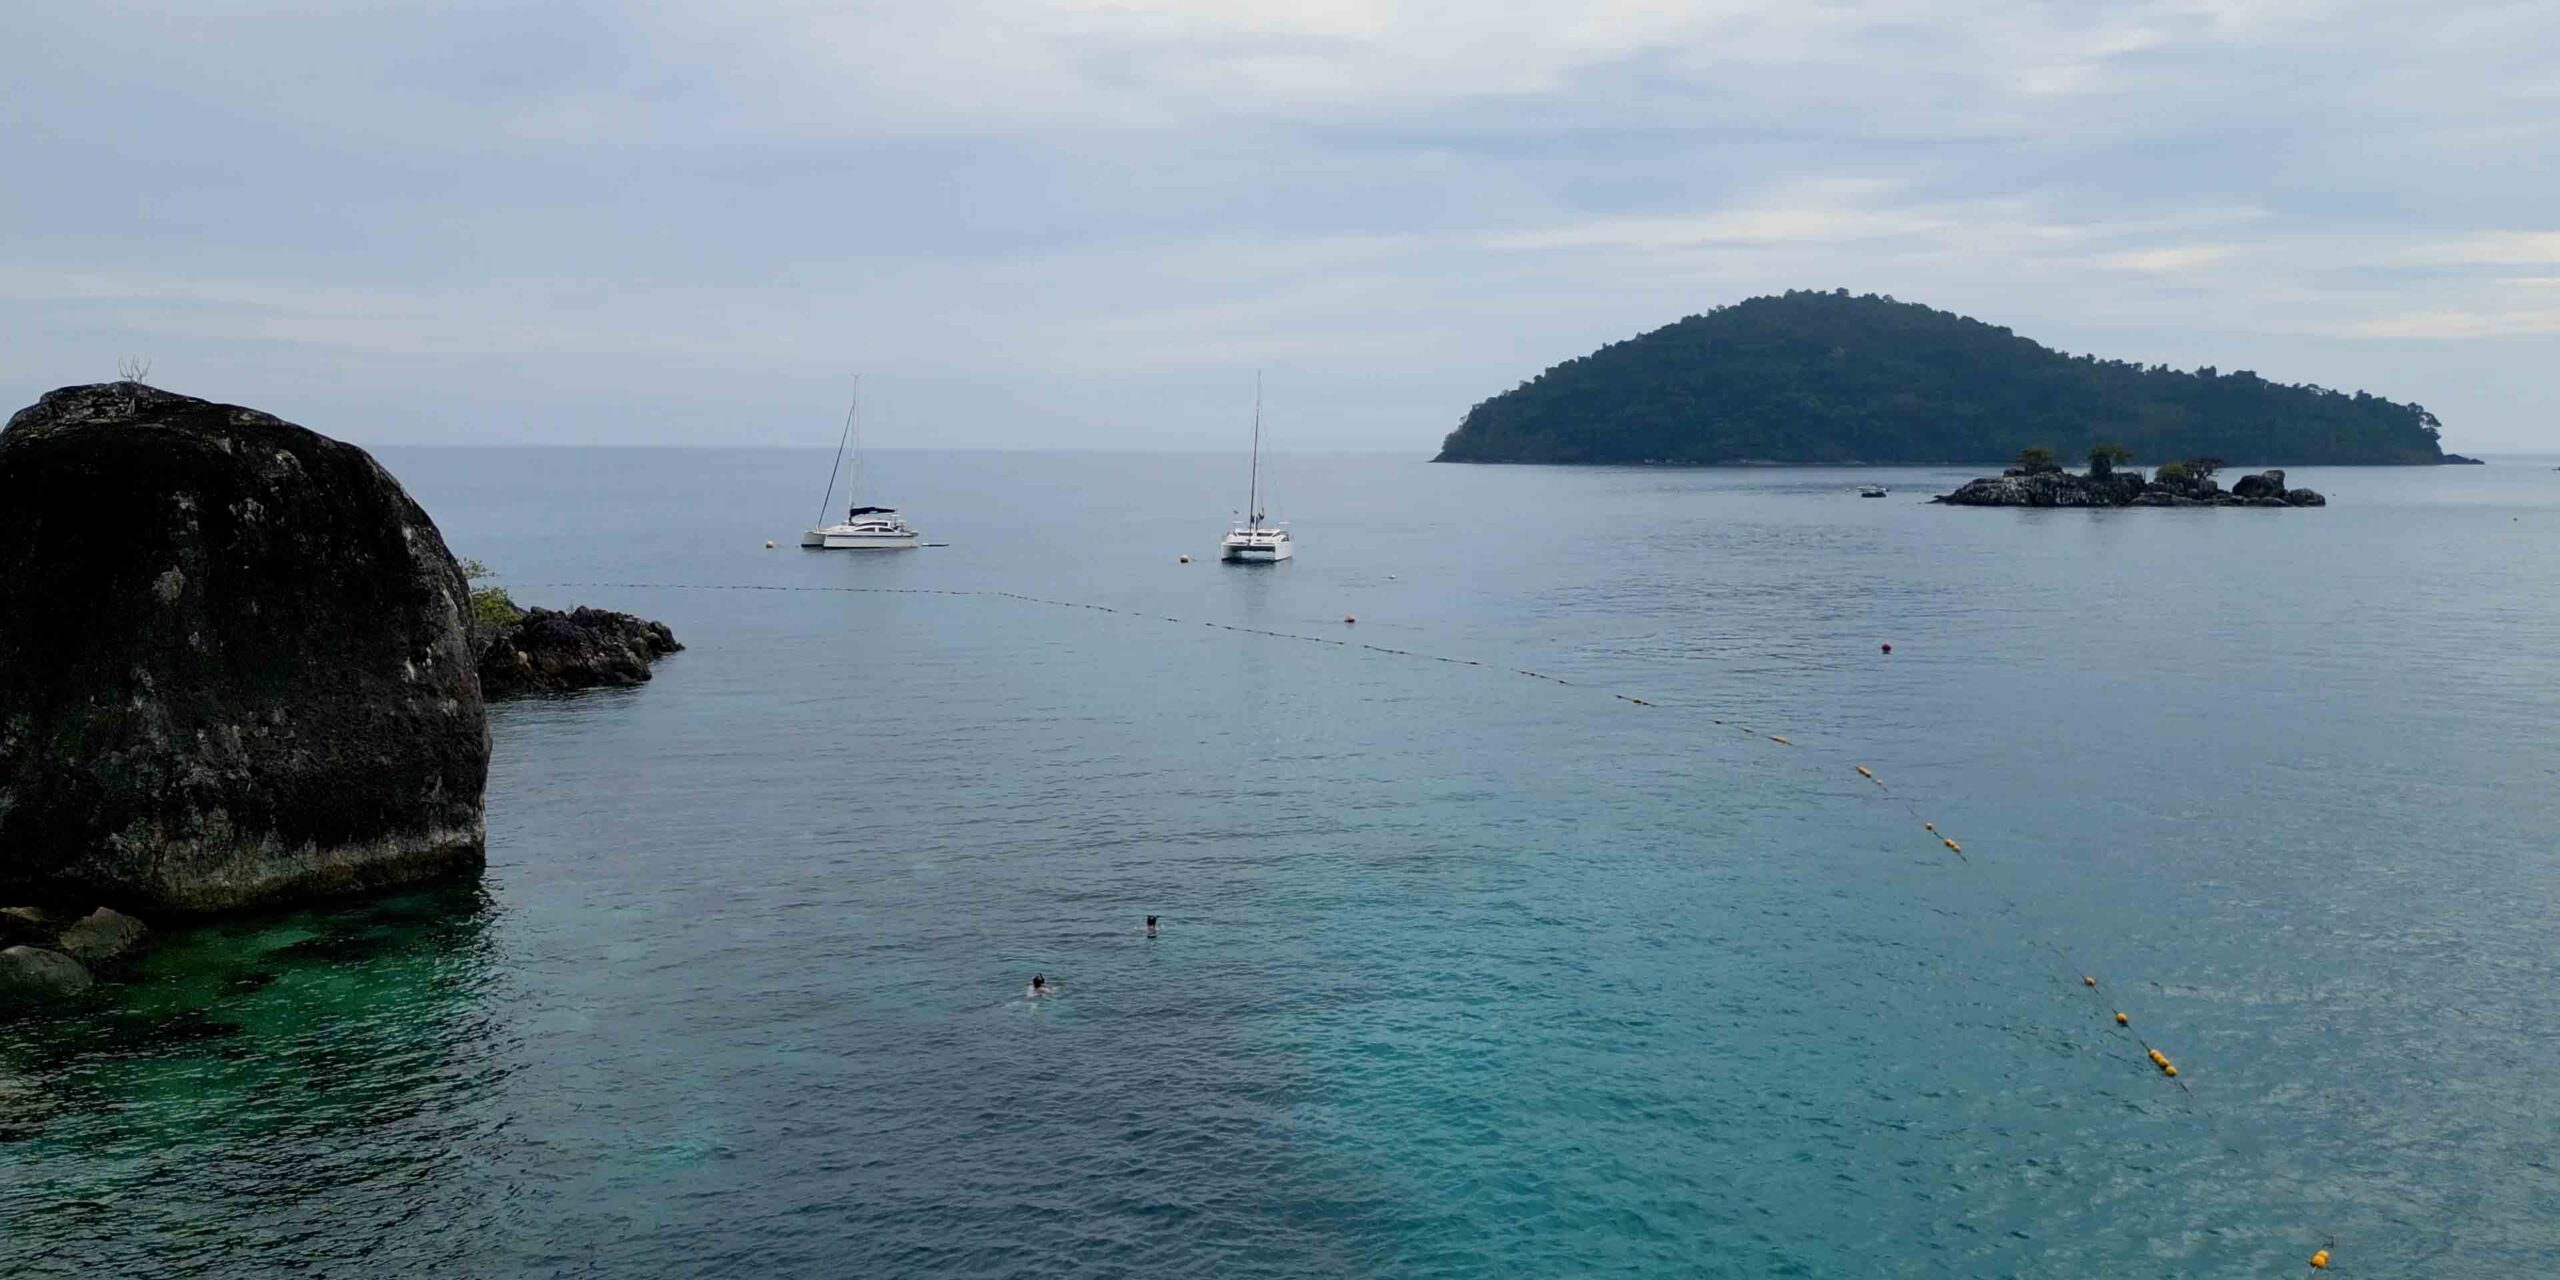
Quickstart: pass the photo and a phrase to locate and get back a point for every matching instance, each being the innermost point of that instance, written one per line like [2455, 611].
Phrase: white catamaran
[863, 528]
[1251, 541]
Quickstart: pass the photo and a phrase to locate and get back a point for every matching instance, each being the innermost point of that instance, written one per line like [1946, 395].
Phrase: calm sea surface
[1462, 973]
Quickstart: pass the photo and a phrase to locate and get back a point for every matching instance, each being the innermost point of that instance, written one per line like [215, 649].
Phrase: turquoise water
[1463, 973]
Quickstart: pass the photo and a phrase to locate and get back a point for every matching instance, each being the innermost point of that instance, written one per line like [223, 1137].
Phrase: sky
[1087, 223]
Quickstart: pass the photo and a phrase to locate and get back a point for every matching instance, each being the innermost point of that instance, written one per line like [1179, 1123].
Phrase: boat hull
[1256, 555]
[826, 541]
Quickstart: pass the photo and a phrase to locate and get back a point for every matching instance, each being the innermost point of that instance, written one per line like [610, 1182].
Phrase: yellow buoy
[1862, 771]
[2156, 1059]
[2087, 981]
[1951, 844]
[2320, 1259]
[2168, 1070]
[2123, 1021]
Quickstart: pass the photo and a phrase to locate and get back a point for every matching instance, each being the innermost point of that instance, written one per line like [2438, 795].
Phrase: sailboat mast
[853, 432]
[828, 503]
[1253, 485]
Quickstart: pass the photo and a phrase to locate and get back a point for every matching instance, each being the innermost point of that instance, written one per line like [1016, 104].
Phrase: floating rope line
[2158, 1060]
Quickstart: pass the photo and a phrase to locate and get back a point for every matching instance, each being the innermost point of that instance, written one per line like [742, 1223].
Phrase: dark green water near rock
[1462, 973]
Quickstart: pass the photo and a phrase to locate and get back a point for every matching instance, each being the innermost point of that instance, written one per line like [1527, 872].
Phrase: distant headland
[1815, 378]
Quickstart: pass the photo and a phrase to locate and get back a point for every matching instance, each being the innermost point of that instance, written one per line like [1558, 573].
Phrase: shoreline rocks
[234, 667]
[45, 960]
[548, 651]
[2171, 488]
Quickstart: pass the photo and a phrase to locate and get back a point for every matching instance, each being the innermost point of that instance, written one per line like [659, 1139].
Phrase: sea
[1523, 909]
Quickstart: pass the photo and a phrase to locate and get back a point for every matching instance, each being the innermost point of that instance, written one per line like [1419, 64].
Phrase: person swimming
[1040, 987]
[1151, 926]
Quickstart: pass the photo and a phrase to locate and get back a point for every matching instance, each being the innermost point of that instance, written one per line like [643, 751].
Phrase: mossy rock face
[234, 662]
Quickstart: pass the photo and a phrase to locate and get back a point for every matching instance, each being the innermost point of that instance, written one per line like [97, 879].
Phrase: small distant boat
[1871, 491]
[1251, 541]
[863, 528]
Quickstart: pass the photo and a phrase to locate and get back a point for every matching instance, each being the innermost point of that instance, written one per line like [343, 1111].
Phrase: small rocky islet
[2176, 485]
[239, 670]
[551, 651]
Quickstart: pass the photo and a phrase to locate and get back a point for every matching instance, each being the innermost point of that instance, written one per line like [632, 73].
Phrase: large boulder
[547, 651]
[233, 662]
[2265, 484]
[102, 937]
[31, 975]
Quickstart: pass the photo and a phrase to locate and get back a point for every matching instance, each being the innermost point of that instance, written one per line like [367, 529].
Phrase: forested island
[1810, 377]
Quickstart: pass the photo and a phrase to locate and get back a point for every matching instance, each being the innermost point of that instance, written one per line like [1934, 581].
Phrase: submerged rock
[547, 651]
[233, 663]
[104, 936]
[31, 975]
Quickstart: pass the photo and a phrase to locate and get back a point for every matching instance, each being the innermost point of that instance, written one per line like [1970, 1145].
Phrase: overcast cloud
[1085, 223]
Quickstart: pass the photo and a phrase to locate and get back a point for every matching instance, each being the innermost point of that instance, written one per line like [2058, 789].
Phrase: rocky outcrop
[547, 651]
[2174, 488]
[31, 975]
[233, 664]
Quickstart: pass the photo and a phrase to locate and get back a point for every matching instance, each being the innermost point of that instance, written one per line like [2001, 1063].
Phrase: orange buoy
[2319, 1259]
[1951, 844]
[2121, 1020]
[1862, 771]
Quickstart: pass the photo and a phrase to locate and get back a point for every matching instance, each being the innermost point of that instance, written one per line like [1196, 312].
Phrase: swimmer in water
[1039, 986]
[1151, 926]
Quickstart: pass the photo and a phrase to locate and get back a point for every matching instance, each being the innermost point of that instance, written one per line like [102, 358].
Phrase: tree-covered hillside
[1816, 377]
